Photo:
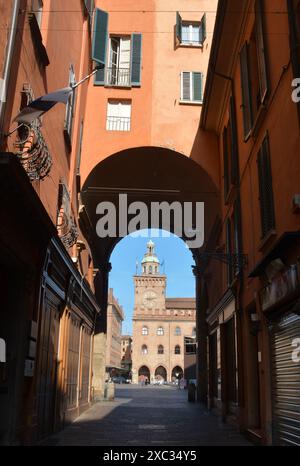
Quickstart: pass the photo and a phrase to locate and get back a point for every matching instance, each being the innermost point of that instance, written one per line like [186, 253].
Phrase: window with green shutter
[265, 188]
[178, 26]
[192, 86]
[136, 58]
[191, 33]
[254, 72]
[100, 40]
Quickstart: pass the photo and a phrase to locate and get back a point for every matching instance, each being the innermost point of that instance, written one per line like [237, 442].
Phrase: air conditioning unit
[296, 203]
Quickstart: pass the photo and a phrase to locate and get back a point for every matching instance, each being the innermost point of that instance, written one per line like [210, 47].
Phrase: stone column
[99, 353]
[202, 333]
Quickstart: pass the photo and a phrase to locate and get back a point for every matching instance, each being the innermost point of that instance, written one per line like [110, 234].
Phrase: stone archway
[148, 175]
[144, 374]
[160, 374]
[177, 373]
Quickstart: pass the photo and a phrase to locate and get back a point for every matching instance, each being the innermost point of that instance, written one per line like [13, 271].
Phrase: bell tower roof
[150, 255]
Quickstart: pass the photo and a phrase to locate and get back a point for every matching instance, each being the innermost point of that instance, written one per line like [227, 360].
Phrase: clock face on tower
[149, 299]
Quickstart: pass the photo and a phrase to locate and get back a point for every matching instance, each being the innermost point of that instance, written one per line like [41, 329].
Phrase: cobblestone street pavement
[148, 416]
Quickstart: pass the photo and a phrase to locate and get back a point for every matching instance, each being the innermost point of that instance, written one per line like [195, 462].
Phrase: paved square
[149, 415]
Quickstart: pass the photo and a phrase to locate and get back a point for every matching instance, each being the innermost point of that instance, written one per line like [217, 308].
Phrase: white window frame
[184, 101]
[160, 331]
[122, 81]
[191, 24]
[117, 127]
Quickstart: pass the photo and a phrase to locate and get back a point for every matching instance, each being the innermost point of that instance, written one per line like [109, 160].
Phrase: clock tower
[160, 325]
[149, 287]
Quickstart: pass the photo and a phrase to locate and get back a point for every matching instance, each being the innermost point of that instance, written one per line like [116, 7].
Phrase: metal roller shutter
[285, 381]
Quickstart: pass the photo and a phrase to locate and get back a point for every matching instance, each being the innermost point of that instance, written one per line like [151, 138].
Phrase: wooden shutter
[246, 91]
[225, 163]
[293, 39]
[197, 86]
[237, 232]
[100, 36]
[265, 188]
[178, 27]
[261, 49]
[229, 250]
[136, 57]
[234, 144]
[186, 85]
[203, 29]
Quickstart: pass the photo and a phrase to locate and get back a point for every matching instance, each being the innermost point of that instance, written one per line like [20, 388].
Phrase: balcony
[118, 77]
[116, 123]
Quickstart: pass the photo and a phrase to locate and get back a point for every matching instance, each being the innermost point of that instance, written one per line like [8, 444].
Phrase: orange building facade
[47, 304]
[121, 131]
[252, 299]
[134, 129]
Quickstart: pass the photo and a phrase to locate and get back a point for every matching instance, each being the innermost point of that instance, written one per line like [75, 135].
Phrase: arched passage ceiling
[148, 174]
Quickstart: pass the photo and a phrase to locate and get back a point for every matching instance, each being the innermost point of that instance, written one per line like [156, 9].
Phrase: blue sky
[178, 261]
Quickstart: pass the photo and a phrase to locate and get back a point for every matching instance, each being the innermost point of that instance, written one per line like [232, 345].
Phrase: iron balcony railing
[116, 123]
[118, 77]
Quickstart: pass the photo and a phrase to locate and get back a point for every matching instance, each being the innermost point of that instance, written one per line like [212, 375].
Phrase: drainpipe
[8, 62]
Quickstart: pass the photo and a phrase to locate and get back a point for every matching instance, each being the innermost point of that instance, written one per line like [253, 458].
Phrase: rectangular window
[118, 115]
[118, 69]
[230, 151]
[37, 9]
[70, 107]
[254, 72]
[190, 32]
[191, 86]
[265, 188]
[229, 250]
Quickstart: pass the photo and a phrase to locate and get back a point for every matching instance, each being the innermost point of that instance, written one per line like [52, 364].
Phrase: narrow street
[145, 416]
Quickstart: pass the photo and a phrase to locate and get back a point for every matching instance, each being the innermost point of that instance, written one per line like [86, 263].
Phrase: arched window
[160, 331]
[150, 268]
[177, 349]
[144, 269]
[177, 331]
[144, 349]
[160, 349]
[194, 332]
[156, 269]
[145, 330]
